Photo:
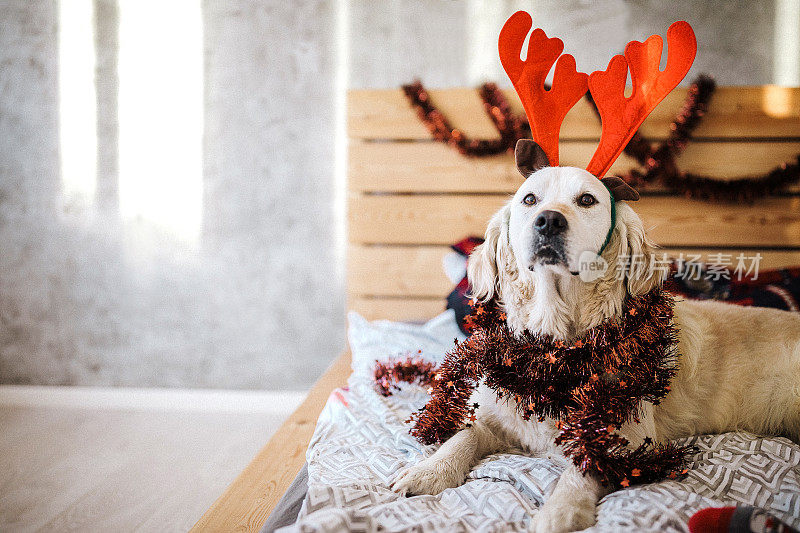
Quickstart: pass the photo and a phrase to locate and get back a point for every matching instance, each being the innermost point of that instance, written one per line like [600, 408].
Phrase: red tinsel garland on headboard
[659, 165]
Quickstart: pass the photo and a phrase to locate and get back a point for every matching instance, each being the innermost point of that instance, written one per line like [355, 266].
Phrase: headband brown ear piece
[530, 157]
[619, 189]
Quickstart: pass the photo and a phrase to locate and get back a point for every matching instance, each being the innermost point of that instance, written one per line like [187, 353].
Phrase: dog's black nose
[550, 223]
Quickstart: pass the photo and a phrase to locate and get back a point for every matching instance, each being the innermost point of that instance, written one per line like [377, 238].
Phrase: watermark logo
[591, 266]
[715, 267]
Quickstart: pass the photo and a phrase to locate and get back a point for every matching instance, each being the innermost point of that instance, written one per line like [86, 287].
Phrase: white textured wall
[455, 43]
[87, 299]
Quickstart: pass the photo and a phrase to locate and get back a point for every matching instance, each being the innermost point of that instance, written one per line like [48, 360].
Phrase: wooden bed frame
[409, 198]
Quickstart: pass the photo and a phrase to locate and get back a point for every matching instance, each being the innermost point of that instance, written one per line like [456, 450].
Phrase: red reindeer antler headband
[621, 116]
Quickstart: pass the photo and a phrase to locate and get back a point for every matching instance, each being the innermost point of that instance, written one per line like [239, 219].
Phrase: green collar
[613, 221]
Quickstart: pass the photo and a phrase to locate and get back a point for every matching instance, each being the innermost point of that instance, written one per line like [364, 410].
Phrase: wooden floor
[81, 469]
[248, 501]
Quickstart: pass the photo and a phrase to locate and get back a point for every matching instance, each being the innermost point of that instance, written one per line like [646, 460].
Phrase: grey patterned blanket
[361, 442]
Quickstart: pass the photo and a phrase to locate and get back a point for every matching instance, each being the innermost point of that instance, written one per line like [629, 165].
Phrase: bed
[409, 198]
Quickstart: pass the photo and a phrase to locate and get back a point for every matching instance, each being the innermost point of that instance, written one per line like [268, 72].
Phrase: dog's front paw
[575, 516]
[427, 477]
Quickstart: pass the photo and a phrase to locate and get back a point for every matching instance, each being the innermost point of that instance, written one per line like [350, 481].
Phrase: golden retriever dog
[739, 368]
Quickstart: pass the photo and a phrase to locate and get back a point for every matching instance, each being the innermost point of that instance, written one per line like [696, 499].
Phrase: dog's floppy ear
[638, 253]
[482, 267]
[620, 189]
[530, 157]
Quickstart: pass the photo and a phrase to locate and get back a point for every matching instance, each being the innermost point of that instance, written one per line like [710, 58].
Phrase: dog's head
[555, 217]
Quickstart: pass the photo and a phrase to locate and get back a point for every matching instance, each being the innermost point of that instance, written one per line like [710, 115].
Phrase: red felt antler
[545, 109]
[622, 116]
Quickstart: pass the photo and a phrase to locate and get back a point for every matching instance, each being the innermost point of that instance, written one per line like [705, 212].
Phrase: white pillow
[455, 266]
[384, 339]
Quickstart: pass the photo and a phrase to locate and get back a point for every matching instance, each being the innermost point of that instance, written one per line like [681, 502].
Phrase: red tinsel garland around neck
[591, 387]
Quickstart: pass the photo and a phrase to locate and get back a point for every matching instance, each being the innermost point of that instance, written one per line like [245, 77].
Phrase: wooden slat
[387, 290]
[435, 167]
[732, 160]
[671, 221]
[398, 271]
[249, 500]
[402, 308]
[735, 112]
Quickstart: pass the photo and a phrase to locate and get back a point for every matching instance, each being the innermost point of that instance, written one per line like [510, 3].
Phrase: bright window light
[484, 20]
[779, 102]
[340, 147]
[786, 47]
[77, 101]
[161, 114]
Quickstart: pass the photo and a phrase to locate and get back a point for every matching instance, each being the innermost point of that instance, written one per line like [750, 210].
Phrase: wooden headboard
[410, 197]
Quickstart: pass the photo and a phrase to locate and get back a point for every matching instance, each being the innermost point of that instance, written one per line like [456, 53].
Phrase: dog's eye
[529, 199]
[587, 200]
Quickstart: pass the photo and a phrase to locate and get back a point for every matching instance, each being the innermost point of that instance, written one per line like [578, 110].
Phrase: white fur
[739, 367]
